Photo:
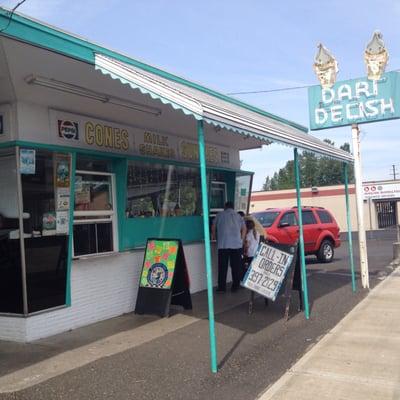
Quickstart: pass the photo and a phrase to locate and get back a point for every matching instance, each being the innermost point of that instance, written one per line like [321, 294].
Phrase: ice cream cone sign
[376, 57]
[325, 67]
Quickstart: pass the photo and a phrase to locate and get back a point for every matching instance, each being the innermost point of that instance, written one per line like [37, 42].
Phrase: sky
[233, 46]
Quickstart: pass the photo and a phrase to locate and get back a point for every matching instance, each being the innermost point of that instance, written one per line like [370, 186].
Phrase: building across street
[381, 202]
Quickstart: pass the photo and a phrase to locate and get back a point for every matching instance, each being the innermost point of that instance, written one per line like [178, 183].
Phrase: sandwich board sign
[268, 270]
[164, 279]
[355, 101]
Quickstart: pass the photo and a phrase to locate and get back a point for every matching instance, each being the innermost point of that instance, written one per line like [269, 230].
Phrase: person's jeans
[234, 257]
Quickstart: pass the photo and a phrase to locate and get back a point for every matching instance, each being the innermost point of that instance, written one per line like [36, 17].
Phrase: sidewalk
[358, 359]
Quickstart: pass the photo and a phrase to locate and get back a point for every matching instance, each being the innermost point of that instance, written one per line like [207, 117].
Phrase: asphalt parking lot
[253, 350]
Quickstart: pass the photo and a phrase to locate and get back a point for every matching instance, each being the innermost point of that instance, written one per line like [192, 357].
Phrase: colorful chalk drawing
[159, 264]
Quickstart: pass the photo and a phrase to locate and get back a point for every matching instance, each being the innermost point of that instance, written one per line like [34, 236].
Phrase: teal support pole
[349, 230]
[301, 237]
[207, 247]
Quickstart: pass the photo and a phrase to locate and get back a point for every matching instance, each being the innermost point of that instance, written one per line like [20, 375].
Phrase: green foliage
[314, 171]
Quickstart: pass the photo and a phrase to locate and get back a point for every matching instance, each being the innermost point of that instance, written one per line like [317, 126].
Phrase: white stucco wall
[101, 288]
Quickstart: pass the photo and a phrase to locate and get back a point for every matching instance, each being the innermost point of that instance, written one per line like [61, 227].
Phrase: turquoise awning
[215, 110]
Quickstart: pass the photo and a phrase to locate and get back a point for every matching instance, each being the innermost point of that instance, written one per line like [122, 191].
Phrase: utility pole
[394, 172]
[362, 241]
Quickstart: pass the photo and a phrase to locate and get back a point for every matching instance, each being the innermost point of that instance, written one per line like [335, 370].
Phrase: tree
[314, 170]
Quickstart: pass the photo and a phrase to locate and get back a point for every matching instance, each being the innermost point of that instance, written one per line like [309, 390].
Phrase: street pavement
[143, 357]
[359, 359]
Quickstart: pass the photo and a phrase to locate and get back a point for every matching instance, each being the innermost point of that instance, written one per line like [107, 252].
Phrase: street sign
[355, 101]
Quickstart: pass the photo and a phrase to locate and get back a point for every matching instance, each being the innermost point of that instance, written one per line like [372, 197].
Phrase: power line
[279, 89]
[272, 90]
[11, 15]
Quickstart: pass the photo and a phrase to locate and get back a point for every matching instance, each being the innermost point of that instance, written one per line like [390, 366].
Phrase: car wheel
[326, 252]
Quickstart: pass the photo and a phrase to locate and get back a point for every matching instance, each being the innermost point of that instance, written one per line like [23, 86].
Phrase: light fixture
[325, 66]
[376, 57]
[84, 92]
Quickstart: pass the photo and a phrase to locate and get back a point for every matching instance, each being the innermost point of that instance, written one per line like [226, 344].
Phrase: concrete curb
[273, 390]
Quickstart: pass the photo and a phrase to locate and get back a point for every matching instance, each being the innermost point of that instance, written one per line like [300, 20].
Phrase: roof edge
[37, 33]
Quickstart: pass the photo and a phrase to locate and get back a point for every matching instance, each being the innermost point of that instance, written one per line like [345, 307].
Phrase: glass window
[242, 192]
[94, 215]
[218, 195]
[84, 163]
[308, 217]
[46, 198]
[324, 216]
[289, 218]
[10, 251]
[267, 218]
[162, 190]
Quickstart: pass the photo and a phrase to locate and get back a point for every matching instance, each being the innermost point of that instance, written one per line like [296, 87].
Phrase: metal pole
[301, 238]
[207, 247]
[21, 235]
[250, 190]
[362, 242]
[349, 230]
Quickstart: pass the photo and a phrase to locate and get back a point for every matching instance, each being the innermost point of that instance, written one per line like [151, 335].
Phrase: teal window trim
[47, 37]
[99, 154]
[72, 154]
[6, 145]
[120, 168]
[71, 227]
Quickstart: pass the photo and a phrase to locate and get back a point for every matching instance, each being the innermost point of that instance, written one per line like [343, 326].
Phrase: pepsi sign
[68, 129]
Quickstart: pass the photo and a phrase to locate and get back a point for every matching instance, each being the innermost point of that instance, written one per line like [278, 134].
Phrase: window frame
[327, 214]
[111, 216]
[222, 186]
[313, 215]
[287, 214]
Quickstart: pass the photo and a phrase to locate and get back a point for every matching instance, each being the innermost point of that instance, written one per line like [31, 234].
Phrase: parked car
[320, 229]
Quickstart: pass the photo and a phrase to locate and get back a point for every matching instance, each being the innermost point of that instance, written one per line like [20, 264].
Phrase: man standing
[229, 229]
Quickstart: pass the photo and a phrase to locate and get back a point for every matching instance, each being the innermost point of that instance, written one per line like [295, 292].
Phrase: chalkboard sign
[268, 270]
[164, 279]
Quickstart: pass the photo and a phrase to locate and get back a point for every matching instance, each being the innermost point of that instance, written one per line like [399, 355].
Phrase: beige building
[381, 202]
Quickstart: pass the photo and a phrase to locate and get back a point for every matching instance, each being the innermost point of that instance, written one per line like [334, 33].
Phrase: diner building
[98, 153]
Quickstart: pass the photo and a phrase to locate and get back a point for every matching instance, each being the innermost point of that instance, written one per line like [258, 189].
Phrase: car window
[308, 217]
[324, 216]
[289, 218]
[267, 218]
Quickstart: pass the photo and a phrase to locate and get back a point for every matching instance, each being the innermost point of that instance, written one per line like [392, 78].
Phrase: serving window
[155, 190]
[94, 213]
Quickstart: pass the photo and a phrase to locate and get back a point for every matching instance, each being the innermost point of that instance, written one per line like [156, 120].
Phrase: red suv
[320, 230]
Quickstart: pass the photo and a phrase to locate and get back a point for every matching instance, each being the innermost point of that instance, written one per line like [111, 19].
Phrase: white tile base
[101, 288]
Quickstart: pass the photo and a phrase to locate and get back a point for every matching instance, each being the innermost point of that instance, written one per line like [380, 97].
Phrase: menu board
[164, 279]
[159, 264]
